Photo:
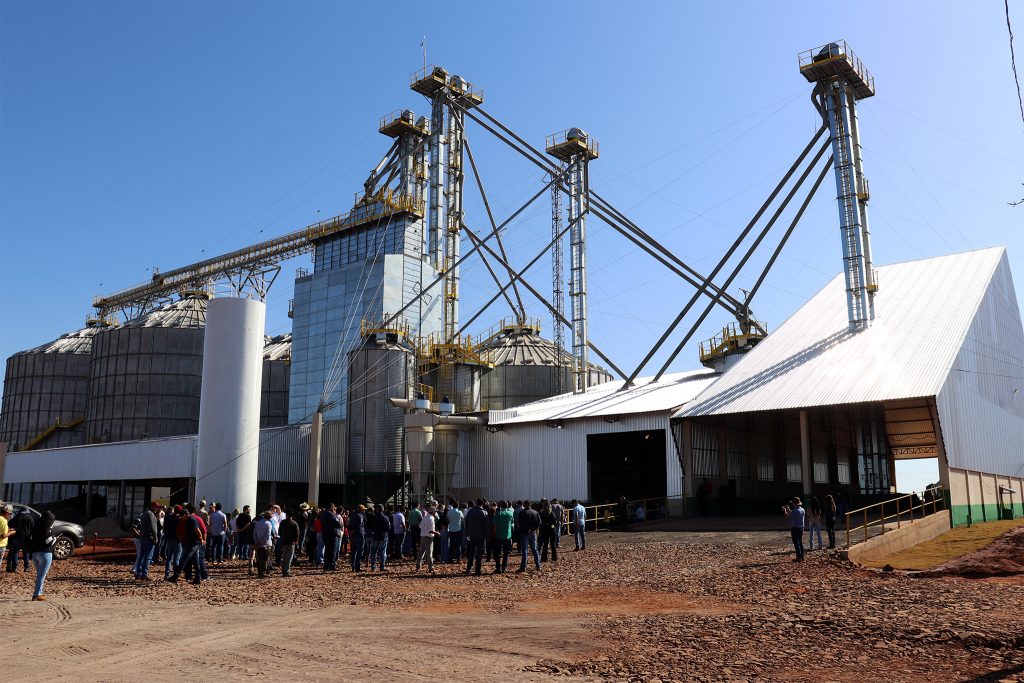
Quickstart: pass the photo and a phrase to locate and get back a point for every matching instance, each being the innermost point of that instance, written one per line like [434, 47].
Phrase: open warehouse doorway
[630, 464]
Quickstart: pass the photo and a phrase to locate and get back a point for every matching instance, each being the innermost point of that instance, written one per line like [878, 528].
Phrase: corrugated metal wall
[284, 453]
[284, 456]
[981, 404]
[169, 458]
[534, 460]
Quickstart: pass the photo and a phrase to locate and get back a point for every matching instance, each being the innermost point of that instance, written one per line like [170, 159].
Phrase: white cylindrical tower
[229, 406]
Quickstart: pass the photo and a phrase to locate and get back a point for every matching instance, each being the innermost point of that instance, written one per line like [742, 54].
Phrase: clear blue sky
[146, 134]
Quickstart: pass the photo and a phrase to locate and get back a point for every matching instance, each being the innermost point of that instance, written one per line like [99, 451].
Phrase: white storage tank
[229, 411]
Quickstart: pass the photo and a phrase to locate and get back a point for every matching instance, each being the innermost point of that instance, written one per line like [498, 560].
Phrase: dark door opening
[630, 464]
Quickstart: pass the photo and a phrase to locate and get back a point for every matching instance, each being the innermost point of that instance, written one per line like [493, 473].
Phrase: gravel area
[641, 607]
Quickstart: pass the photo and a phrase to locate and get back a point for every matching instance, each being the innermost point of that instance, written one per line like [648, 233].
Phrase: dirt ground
[642, 606]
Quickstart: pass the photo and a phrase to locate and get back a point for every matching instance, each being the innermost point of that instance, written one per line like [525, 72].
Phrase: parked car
[69, 536]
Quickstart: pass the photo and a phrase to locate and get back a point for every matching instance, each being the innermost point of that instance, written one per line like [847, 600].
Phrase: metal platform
[571, 142]
[834, 60]
[429, 80]
[402, 121]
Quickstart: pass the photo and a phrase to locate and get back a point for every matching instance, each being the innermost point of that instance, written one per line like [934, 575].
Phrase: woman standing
[830, 520]
[814, 521]
[41, 546]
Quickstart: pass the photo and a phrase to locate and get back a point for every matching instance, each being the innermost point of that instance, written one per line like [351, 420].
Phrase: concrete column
[805, 451]
[315, 430]
[687, 450]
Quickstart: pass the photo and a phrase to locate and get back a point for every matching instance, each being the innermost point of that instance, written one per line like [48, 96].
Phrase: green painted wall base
[963, 515]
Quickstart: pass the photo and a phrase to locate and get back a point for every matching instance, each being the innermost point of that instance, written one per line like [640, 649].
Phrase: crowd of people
[186, 539]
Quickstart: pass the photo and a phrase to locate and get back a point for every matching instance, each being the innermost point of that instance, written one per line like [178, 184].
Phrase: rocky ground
[633, 607]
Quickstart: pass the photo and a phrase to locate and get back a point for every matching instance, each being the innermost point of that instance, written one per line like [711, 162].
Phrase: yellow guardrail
[603, 517]
[900, 508]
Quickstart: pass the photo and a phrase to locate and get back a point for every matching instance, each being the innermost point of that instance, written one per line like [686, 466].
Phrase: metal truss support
[252, 283]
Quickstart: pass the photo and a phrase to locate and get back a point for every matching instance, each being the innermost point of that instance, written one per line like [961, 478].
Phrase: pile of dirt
[1002, 557]
[105, 527]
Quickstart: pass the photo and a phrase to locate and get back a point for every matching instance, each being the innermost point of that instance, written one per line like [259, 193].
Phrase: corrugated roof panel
[645, 396]
[923, 311]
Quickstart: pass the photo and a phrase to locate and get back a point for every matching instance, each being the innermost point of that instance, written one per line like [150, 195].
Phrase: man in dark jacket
[22, 526]
[478, 528]
[149, 534]
[527, 525]
[357, 535]
[330, 529]
[289, 534]
[379, 527]
[193, 536]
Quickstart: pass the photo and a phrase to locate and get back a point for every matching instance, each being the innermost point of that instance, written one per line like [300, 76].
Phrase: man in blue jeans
[527, 524]
[149, 534]
[795, 513]
[172, 545]
[193, 540]
[579, 524]
[455, 519]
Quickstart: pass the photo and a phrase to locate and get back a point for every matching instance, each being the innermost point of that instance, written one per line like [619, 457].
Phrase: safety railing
[838, 50]
[604, 516]
[902, 510]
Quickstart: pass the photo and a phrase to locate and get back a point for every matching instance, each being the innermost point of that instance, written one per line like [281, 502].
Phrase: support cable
[490, 217]
[515, 214]
[735, 245]
[625, 228]
[789, 231]
[753, 247]
[518, 276]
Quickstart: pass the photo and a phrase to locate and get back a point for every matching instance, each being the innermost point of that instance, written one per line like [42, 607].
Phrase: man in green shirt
[415, 517]
[502, 536]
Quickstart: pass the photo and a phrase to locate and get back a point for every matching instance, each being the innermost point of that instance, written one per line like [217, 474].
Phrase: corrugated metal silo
[145, 377]
[383, 367]
[277, 363]
[526, 368]
[46, 390]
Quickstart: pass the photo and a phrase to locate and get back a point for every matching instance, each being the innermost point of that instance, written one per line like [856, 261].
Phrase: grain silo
[145, 376]
[277, 362]
[45, 392]
[526, 367]
[383, 367]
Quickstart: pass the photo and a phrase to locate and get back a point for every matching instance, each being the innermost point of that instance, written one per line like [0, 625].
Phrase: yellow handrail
[937, 502]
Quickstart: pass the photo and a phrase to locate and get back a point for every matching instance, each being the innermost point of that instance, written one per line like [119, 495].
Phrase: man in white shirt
[427, 535]
[398, 531]
[579, 524]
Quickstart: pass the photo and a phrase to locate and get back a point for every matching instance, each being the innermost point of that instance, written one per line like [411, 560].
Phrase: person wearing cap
[5, 530]
[304, 519]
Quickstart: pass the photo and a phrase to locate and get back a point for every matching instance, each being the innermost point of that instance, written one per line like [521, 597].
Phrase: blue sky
[144, 134]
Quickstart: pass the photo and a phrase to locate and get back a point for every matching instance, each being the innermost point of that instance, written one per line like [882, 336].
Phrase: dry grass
[950, 545]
